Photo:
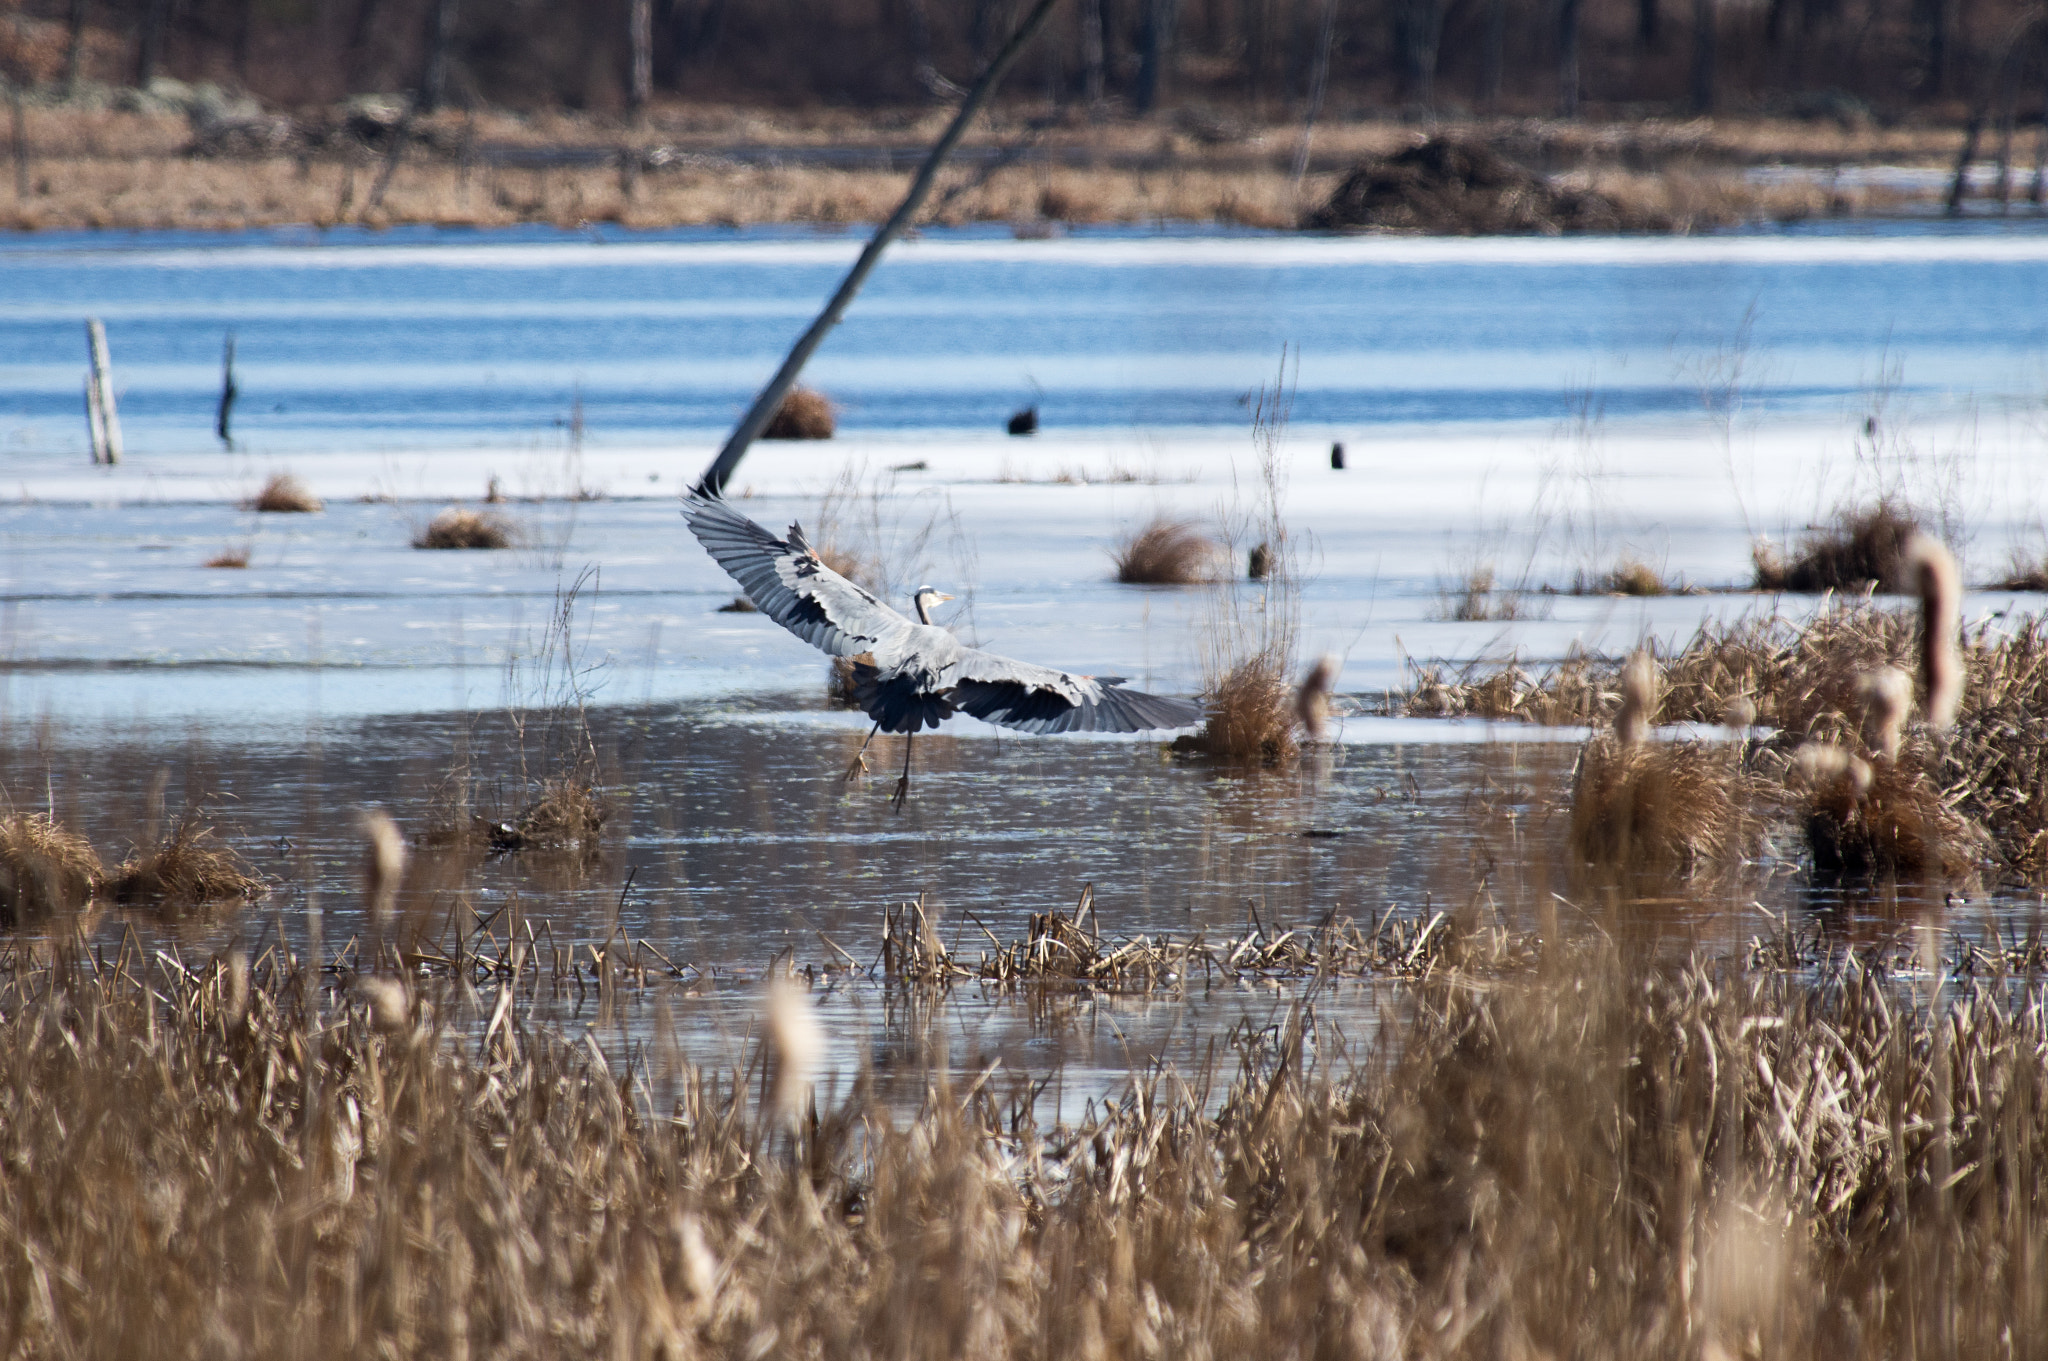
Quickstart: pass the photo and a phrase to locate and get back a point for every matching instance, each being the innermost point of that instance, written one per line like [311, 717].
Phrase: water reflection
[735, 843]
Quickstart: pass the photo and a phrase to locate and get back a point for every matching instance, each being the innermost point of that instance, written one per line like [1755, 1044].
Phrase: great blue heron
[908, 675]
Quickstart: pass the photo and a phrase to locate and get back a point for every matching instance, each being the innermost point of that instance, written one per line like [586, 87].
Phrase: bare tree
[640, 39]
[434, 83]
[1160, 19]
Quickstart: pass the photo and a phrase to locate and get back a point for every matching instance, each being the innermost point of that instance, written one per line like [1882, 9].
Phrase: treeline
[1265, 57]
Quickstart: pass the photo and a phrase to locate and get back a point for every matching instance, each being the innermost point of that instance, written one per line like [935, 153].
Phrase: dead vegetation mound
[284, 494]
[1456, 186]
[460, 527]
[805, 413]
[1251, 713]
[1858, 550]
[45, 868]
[1165, 551]
[187, 869]
[568, 816]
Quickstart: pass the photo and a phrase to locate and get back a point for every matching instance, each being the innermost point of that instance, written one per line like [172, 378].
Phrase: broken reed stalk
[1672, 1159]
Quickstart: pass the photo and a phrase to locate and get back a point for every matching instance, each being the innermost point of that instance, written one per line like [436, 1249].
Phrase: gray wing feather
[790, 584]
[1039, 699]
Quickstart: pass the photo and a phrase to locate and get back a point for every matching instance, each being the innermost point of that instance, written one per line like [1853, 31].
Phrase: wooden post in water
[228, 392]
[712, 483]
[99, 389]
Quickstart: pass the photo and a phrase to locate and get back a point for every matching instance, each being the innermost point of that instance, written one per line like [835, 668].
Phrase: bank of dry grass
[1587, 1156]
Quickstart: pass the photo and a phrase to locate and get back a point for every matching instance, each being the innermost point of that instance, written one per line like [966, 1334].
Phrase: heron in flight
[908, 675]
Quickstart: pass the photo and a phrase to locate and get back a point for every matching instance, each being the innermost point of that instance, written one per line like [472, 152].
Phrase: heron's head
[926, 597]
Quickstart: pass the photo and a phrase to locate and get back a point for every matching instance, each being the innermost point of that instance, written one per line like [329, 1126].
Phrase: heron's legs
[859, 764]
[903, 785]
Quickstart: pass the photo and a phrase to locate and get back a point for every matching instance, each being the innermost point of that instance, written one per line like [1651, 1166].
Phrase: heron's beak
[943, 597]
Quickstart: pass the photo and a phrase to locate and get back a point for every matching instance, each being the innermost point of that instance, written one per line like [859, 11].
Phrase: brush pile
[1455, 186]
[1601, 1158]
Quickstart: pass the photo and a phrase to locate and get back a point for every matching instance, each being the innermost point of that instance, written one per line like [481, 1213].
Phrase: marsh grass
[805, 413]
[188, 868]
[460, 527]
[1584, 1154]
[285, 494]
[1858, 549]
[1474, 595]
[234, 556]
[2023, 572]
[1166, 551]
[1628, 577]
[46, 868]
[1249, 638]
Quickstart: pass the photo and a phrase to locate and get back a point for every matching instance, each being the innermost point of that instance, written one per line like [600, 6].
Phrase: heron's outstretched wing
[1040, 699]
[790, 584]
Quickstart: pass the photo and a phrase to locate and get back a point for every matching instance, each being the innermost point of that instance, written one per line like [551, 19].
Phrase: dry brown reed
[285, 494]
[45, 868]
[460, 527]
[187, 869]
[235, 556]
[1165, 551]
[1628, 576]
[805, 413]
[1937, 579]
[1312, 698]
[384, 857]
[1590, 1157]
[1858, 550]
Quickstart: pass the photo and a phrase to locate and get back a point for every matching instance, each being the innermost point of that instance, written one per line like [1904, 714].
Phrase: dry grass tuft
[460, 527]
[1640, 805]
[1630, 577]
[285, 494]
[1475, 596]
[1857, 551]
[1251, 713]
[45, 868]
[805, 413]
[189, 868]
[2023, 574]
[1866, 818]
[234, 557]
[1166, 552]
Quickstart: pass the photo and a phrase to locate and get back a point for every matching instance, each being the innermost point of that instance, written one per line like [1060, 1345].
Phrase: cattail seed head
[235, 1001]
[1312, 698]
[383, 862]
[795, 1044]
[1638, 700]
[390, 1007]
[1940, 585]
[1887, 695]
[1740, 713]
[1821, 765]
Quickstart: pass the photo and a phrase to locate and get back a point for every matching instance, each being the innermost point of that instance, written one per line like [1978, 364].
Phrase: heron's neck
[923, 617]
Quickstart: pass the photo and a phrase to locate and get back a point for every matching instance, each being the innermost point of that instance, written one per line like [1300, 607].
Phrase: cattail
[383, 862]
[795, 1044]
[1887, 698]
[236, 1003]
[1312, 699]
[1740, 714]
[390, 1007]
[1940, 584]
[1823, 764]
[1638, 700]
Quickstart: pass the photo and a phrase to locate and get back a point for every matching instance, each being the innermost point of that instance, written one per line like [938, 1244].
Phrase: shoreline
[100, 168]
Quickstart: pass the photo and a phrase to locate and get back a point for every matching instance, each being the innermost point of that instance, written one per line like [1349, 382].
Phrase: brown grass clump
[45, 868]
[1165, 552]
[1642, 805]
[459, 527]
[285, 494]
[805, 413]
[1457, 185]
[1250, 714]
[1880, 817]
[189, 868]
[235, 557]
[2024, 574]
[1857, 551]
[1630, 577]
